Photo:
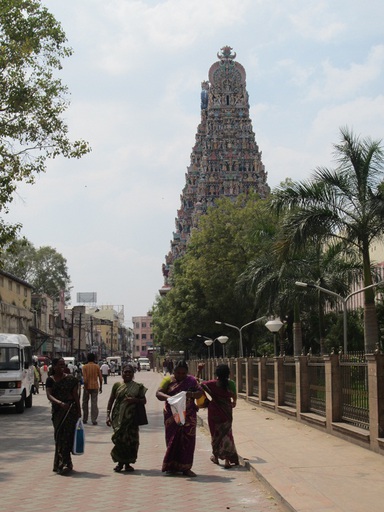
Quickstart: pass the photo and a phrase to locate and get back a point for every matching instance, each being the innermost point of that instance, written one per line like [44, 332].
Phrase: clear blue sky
[135, 82]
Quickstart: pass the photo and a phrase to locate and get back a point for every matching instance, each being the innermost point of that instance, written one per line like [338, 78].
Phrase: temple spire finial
[226, 53]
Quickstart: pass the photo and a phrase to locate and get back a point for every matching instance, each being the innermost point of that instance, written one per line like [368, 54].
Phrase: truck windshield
[9, 358]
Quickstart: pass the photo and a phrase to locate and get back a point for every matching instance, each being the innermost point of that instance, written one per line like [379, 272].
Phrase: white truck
[16, 371]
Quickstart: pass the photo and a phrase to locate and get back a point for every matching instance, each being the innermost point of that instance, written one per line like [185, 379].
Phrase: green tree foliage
[43, 268]
[228, 236]
[32, 98]
[344, 204]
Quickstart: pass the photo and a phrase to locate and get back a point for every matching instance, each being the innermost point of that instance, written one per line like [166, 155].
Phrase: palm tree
[345, 204]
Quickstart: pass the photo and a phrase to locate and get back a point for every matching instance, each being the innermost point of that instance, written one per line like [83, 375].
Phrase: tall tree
[344, 204]
[32, 98]
[43, 268]
[204, 279]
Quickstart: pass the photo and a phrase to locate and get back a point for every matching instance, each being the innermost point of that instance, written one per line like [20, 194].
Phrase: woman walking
[61, 390]
[121, 415]
[180, 439]
[223, 393]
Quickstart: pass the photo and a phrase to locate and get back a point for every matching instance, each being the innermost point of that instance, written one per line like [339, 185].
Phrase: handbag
[202, 402]
[79, 438]
[141, 415]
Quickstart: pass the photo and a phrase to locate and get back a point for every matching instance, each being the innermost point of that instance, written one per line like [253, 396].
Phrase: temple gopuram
[225, 159]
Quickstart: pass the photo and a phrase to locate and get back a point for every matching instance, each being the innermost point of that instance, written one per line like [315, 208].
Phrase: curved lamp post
[343, 300]
[240, 331]
[274, 326]
[223, 340]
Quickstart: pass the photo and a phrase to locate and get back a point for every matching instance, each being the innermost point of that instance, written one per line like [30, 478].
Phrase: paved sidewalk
[28, 484]
[310, 470]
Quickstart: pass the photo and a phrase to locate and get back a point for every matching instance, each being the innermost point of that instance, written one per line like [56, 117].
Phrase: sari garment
[220, 418]
[64, 421]
[180, 439]
[123, 418]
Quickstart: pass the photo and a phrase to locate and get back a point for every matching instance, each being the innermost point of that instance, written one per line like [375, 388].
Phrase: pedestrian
[105, 371]
[93, 385]
[165, 367]
[43, 374]
[138, 366]
[223, 395]
[170, 366]
[180, 439]
[36, 378]
[61, 390]
[113, 368]
[121, 415]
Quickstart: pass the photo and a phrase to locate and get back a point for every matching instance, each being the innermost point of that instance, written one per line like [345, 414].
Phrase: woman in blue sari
[180, 438]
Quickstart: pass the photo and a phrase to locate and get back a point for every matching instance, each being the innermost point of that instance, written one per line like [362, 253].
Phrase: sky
[135, 81]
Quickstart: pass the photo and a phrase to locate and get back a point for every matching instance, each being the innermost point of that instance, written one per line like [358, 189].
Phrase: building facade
[225, 160]
[142, 343]
[15, 305]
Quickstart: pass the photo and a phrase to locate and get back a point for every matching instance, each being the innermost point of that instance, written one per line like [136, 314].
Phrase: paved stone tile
[28, 483]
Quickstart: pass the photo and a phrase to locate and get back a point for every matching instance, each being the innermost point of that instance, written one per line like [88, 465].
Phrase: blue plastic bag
[79, 438]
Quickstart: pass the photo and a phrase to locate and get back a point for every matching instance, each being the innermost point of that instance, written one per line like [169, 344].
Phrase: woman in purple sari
[180, 438]
[222, 390]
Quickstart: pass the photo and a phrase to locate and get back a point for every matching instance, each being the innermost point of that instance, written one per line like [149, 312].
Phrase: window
[143, 324]
[9, 285]
[137, 325]
[18, 288]
[137, 336]
[25, 292]
[143, 336]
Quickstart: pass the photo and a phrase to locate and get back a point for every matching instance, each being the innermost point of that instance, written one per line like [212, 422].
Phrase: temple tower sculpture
[225, 160]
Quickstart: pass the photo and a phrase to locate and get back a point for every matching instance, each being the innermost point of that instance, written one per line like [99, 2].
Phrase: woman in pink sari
[180, 438]
[222, 390]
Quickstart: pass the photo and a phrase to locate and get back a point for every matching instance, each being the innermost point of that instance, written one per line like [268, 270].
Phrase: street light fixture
[240, 331]
[223, 340]
[274, 326]
[343, 300]
[209, 342]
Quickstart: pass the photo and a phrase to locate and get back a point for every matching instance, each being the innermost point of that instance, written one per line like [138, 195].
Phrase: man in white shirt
[104, 371]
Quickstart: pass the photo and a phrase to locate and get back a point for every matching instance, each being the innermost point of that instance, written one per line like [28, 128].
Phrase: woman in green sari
[121, 415]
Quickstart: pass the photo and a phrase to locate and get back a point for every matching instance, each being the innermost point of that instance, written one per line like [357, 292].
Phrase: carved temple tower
[225, 159]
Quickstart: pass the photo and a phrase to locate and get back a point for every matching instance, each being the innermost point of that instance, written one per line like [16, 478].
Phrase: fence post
[248, 376]
[263, 379]
[302, 384]
[332, 390]
[279, 381]
[375, 398]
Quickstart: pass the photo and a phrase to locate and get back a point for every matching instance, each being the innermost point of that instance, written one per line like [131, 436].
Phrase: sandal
[128, 467]
[214, 459]
[118, 468]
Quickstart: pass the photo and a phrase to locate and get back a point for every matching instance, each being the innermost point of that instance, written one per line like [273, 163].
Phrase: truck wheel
[20, 405]
[28, 401]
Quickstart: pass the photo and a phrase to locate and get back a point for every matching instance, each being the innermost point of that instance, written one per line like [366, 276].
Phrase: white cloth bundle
[178, 405]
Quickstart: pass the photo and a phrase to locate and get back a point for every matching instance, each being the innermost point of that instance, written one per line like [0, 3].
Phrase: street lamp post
[343, 300]
[240, 331]
[209, 342]
[223, 340]
[79, 346]
[274, 326]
